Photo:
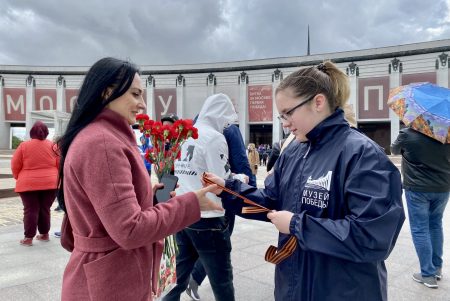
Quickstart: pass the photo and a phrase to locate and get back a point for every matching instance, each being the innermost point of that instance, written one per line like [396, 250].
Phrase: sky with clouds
[160, 32]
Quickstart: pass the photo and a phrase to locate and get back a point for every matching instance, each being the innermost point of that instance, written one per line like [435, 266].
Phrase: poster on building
[71, 98]
[418, 78]
[260, 103]
[14, 104]
[44, 99]
[232, 92]
[372, 97]
[165, 102]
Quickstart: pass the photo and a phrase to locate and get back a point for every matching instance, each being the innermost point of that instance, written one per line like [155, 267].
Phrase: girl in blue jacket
[333, 192]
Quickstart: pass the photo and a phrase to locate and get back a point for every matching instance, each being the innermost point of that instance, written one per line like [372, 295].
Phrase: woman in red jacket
[35, 167]
[104, 189]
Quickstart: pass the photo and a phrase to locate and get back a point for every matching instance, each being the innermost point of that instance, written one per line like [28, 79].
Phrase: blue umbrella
[425, 107]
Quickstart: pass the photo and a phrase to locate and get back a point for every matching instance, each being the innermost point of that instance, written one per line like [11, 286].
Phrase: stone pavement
[35, 273]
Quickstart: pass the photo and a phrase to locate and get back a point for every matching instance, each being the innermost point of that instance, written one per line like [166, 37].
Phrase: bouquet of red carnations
[166, 141]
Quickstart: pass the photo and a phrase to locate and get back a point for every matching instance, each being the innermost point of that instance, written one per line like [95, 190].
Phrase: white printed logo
[317, 192]
[323, 182]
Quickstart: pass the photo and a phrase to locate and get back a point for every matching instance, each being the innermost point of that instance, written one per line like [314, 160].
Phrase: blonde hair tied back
[326, 78]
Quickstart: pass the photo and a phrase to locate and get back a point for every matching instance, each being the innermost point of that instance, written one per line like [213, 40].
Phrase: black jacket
[276, 148]
[347, 202]
[425, 161]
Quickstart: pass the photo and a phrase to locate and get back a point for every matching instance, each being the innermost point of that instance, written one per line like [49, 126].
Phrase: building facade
[30, 91]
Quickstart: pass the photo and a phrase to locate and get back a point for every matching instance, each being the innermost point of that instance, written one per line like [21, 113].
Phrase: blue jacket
[143, 149]
[237, 155]
[346, 197]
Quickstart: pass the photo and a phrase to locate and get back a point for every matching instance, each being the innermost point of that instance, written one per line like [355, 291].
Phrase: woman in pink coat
[104, 189]
[35, 167]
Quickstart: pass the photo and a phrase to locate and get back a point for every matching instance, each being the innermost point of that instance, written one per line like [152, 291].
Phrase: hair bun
[322, 68]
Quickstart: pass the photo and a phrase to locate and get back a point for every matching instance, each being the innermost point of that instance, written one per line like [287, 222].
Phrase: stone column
[29, 104]
[60, 105]
[395, 70]
[442, 66]
[277, 128]
[180, 84]
[211, 84]
[243, 107]
[5, 142]
[150, 86]
[353, 74]
[60, 95]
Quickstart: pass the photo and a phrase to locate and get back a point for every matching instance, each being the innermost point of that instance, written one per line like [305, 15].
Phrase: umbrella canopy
[424, 107]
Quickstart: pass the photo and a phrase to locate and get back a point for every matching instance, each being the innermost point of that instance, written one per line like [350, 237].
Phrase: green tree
[16, 141]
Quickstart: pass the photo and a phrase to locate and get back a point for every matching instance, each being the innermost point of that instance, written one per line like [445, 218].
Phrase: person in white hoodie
[209, 238]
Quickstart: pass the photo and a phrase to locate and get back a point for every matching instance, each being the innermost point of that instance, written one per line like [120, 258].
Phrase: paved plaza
[35, 273]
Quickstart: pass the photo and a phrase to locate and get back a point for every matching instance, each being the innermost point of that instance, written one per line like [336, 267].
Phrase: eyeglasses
[287, 115]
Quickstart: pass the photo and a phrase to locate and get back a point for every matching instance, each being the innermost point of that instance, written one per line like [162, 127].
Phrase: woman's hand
[161, 186]
[205, 203]
[215, 179]
[281, 220]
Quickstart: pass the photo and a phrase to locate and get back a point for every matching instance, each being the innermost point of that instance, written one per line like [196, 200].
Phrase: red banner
[14, 104]
[260, 103]
[165, 102]
[418, 78]
[372, 97]
[71, 98]
[45, 99]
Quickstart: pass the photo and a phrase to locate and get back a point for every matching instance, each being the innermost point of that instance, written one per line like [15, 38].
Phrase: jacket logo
[321, 183]
[317, 192]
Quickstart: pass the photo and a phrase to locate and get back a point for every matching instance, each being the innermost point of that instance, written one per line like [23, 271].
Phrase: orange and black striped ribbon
[273, 255]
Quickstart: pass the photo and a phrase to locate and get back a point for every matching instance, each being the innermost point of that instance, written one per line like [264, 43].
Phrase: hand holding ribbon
[273, 255]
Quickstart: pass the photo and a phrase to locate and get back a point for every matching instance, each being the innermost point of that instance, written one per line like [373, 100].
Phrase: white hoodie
[210, 151]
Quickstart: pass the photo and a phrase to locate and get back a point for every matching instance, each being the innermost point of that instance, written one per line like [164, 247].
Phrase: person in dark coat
[276, 148]
[333, 192]
[426, 180]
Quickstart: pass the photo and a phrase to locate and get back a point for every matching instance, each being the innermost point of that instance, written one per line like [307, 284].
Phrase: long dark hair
[106, 80]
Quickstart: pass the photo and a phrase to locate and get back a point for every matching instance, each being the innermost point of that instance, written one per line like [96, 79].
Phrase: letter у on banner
[165, 102]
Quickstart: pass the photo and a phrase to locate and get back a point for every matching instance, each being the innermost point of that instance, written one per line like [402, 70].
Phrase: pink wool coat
[116, 227]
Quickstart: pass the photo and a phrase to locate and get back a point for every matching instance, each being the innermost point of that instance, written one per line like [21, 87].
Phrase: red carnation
[140, 117]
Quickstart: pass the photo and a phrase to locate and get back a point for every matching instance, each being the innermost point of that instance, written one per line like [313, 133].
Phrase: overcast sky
[159, 32]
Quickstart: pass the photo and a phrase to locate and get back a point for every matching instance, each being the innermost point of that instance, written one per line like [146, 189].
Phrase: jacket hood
[217, 112]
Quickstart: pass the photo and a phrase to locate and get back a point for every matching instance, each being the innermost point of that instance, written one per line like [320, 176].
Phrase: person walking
[209, 238]
[253, 158]
[239, 164]
[106, 195]
[34, 165]
[336, 198]
[426, 180]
